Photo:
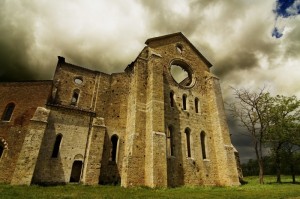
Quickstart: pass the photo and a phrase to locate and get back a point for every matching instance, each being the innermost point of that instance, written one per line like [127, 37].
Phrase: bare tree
[251, 110]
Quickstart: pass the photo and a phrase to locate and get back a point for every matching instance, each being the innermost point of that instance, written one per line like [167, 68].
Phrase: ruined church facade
[141, 127]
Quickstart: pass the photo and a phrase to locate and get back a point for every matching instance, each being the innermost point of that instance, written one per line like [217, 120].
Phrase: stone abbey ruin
[142, 127]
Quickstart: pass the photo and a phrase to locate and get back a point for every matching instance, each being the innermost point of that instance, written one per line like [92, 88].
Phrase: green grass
[250, 190]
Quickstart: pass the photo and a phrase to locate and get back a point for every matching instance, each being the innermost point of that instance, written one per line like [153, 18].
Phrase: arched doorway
[76, 171]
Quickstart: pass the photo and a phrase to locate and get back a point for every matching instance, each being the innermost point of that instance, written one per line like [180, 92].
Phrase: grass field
[250, 190]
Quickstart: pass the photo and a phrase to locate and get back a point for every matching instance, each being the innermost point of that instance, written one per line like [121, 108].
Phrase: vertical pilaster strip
[94, 152]
[156, 162]
[225, 161]
[133, 172]
[29, 154]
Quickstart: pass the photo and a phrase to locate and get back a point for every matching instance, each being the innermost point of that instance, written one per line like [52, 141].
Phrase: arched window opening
[184, 97]
[56, 146]
[114, 142]
[196, 105]
[76, 171]
[179, 48]
[188, 141]
[202, 137]
[172, 99]
[170, 141]
[8, 112]
[1, 149]
[75, 97]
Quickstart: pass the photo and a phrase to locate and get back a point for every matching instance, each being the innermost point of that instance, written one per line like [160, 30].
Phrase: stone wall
[26, 96]
[136, 128]
[31, 147]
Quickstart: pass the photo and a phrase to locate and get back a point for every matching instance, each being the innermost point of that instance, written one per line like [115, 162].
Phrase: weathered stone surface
[137, 128]
[26, 96]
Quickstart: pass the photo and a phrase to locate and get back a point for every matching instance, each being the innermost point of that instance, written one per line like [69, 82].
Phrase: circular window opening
[182, 74]
[78, 80]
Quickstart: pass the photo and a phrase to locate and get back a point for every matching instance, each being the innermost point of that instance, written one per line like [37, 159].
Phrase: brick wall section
[27, 96]
[74, 131]
[114, 111]
[64, 81]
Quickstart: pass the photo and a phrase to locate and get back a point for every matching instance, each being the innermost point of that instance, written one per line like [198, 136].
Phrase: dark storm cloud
[34, 33]
[173, 16]
[241, 60]
[14, 41]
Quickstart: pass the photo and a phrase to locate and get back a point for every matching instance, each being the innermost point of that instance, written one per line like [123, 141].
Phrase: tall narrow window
[184, 101]
[196, 105]
[8, 112]
[56, 146]
[172, 99]
[114, 142]
[202, 137]
[1, 149]
[75, 97]
[170, 141]
[188, 141]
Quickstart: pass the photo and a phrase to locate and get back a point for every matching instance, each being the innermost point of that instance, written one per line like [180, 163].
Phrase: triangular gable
[153, 40]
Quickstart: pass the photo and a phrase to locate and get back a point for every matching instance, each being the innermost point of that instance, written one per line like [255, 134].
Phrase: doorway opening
[76, 171]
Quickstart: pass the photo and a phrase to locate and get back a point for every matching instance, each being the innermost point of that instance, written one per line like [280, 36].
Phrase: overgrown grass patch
[250, 190]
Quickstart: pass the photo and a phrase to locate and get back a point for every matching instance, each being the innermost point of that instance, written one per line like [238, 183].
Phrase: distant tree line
[273, 124]
[251, 169]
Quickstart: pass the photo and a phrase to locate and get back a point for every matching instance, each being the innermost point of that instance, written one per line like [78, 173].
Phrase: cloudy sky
[249, 42]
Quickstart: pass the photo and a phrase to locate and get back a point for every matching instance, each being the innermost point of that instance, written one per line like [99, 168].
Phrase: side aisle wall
[26, 96]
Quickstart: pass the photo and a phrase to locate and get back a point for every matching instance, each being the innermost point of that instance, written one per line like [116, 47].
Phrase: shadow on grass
[279, 183]
[243, 182]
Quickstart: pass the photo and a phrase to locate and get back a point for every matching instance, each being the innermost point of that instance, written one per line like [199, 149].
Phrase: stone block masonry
[160, 123]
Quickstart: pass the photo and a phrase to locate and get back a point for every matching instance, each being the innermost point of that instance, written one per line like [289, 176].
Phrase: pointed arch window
[184, 98]
[172, 99]
[196, 105]
[8, 112]
[114, 142]
[203, 143]
[188, 141]
[56, 146]
[170, 141]
[75, 97]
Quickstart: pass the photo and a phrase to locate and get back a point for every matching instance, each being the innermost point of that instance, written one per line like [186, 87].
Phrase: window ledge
[190, 158]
